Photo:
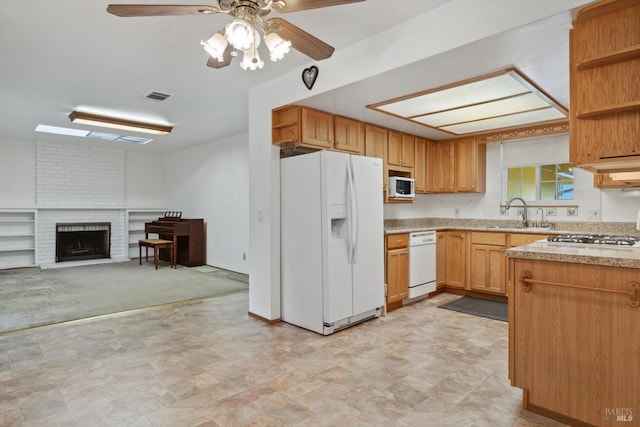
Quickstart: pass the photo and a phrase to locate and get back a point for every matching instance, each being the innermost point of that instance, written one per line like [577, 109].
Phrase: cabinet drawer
[397, 241]
[525, 238]
[488, 238]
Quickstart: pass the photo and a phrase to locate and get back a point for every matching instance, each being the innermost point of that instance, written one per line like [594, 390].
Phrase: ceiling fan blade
[128, 10]
[302, 41]
[296, 5]
[226, 58]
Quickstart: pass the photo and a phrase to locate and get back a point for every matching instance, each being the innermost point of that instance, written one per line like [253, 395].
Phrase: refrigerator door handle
[353, 202]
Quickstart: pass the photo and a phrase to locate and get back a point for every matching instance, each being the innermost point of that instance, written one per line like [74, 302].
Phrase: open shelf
[620, 55]
[609, 109]
[17, 238]
[135, 227]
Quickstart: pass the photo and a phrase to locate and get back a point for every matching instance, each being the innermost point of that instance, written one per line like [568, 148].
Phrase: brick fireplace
[80, 184]
[83, 241]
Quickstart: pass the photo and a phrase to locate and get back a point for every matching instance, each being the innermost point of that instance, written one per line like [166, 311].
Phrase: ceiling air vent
[157, 96]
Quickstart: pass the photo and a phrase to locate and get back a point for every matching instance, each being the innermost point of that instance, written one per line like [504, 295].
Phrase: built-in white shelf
[136, 219]
[17, 238]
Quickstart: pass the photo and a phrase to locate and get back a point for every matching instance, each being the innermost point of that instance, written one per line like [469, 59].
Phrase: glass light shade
[215, 46]
[277, 46]
[240, 34]
[251, 60]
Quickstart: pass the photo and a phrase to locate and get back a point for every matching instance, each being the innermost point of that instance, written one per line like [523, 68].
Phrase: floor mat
[479, 307]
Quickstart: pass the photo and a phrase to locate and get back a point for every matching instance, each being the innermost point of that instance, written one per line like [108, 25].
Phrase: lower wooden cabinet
[574, 343]
[451, 259]
[397, 268]
[488, 267]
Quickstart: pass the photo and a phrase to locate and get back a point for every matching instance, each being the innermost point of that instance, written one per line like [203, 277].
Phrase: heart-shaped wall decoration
[309, 76]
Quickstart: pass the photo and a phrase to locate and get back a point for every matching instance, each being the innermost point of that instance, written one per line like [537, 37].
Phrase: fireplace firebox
[82, 241]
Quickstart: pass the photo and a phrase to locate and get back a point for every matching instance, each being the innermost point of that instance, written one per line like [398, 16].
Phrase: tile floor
[208, 364]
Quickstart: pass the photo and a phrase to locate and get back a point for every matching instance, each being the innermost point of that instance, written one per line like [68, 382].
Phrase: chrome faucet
[524, 211]
[541, 217]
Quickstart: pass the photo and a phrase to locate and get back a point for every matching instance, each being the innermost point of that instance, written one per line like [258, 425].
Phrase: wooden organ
[187, 235]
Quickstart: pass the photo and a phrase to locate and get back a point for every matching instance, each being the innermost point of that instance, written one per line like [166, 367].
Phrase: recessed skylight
[95, 135]
[61, 131]
[500, 100]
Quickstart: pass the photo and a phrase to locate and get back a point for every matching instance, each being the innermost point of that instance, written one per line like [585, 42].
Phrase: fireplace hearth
[82, 241]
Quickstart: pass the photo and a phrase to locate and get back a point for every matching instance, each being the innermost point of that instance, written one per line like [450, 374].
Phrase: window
[541, 183]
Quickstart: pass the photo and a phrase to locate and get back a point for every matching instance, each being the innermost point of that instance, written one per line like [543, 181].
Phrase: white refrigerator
[331, 240]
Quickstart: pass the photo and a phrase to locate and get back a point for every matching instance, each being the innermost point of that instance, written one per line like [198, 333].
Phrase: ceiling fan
[242, 33]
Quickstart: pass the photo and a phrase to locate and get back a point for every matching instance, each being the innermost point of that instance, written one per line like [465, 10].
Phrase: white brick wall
[73, 175]
[79, 183]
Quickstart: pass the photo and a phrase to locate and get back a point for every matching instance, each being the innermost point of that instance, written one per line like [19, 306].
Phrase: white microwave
[400, 186]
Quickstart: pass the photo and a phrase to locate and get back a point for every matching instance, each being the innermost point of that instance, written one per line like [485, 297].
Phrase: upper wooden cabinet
[317, 128]
[605, 86]
[302, 126]
[375, 145]
[470, 164]
[420, 165]
[349, 135]
[401, 150]
[440, 166]
[456, 166]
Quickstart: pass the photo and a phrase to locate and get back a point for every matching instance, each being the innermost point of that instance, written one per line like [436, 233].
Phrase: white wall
[17, 174]
[393, 48]
[144, 180]
[211, 181]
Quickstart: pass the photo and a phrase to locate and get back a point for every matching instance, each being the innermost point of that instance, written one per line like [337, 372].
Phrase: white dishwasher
[422, 263]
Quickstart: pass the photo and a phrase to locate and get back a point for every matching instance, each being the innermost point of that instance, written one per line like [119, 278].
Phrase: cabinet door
[397, 274]
[349, 135]
[317, 128]
[441, 258]
[456, 259]
[420, 166]
[375, 145]
[469, 165]
[442, 174]
[394, 148]
[408, 150]
[488, 269]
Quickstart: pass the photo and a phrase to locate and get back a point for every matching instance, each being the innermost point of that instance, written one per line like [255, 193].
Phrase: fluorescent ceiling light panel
[512, 120]
[486, 103]
[118, 123]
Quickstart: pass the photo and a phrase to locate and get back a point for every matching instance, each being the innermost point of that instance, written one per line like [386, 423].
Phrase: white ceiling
[56, 56]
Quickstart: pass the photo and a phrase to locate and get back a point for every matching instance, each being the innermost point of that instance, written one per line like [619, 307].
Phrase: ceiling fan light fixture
[215, 46]
[240, 34]
[277, 46]
[251, 60]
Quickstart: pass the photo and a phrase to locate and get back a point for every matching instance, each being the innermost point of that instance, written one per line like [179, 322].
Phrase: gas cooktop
[595, 239]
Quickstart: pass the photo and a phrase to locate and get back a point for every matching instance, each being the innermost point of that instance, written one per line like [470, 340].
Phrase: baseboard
[264, 319]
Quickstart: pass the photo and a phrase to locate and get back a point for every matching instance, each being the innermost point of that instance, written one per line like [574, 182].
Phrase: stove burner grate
[597, 239]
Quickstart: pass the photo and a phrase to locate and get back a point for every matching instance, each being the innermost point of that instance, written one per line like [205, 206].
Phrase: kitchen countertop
[398, 226]
[613, 256]
[501, 228]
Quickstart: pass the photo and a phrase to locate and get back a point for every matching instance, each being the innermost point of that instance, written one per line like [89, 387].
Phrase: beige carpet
[34, 297]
